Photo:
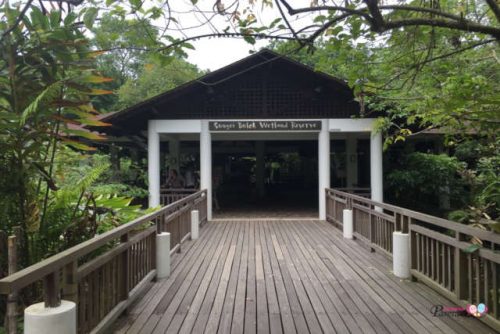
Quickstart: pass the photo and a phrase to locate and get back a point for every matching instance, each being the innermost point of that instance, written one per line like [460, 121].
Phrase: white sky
[214, 53]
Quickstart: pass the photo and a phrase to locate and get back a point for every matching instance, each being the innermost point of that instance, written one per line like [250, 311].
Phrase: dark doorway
[265, 178]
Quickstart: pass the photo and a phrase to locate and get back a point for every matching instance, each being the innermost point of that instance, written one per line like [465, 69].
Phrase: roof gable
[263, 85]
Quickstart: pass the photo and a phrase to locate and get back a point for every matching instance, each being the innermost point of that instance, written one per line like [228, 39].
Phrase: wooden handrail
[45, 267]
[441, 222]
[441, 252]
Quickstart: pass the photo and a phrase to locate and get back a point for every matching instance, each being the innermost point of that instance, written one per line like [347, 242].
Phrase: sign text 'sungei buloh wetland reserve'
[265, 125]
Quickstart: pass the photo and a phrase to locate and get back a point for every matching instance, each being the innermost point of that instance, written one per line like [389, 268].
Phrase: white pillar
[195, 224]
[347, 223]
[260, 168]
[173, 148]
[206, 164]
[376, 171]
[39, 319]
[401, 254]
[351, 161]
[323, 166]
[153, 165]
[162, 255]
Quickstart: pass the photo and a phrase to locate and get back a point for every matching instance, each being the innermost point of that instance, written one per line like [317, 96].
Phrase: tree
[122, 62]
[155, 78]
[45, 87]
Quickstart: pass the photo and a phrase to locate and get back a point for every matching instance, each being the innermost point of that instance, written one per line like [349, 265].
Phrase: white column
[260, 168]
[376, 171]
[351, 161]
[153, 166]
[323, 166]
[206, 164]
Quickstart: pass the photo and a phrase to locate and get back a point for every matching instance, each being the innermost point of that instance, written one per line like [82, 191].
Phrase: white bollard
[50, 320]
[195, 224]
[162, 255]
[401, 254]
[347, 223]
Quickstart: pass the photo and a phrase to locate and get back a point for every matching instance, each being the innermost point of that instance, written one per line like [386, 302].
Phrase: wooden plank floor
[285, 276]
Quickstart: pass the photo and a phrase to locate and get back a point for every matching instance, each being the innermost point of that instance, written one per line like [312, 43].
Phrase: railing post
[162, 255]
[347, 224]
[401, 254]
[125, 275]
[51, 293]
[195, 224]
[460, 270]
[70, 287]
[53, 315]
[371, 225]
[11, 325]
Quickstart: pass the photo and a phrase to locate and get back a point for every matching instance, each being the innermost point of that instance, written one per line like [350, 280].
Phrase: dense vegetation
[431, 65]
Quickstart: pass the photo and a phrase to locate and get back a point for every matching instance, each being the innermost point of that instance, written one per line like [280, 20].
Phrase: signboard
[246, 126]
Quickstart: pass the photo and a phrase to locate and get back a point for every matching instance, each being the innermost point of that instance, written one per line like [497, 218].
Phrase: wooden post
[51, 290]
[125, 276]
[371, 228]
[70, 287]
[11, 318]
[461, 274]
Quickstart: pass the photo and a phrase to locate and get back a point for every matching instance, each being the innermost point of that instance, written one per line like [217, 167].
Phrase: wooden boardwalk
[285, 276]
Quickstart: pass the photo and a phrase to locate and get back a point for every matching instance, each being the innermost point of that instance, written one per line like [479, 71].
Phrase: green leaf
[70, 18]
[188, 46]
[94, 79]
[78, 145]
[49, 93]
[90, 16]
[319, 18]
[85, 134]
[55, 18]
[471, 248]
[249, 39]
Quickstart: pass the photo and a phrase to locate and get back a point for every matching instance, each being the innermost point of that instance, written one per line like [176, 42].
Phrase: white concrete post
[162, 255]
[323, 166]
[153, 165]
[206, 164]
[39, 319]
[401, 254]
[376, 171]
[351, 161]
[347, 223]
[195, 224]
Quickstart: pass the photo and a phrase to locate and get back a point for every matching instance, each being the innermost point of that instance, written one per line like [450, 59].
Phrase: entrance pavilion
[263, 109]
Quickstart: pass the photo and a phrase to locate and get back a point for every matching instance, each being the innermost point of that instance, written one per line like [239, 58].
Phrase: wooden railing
[105, 274]
[460, 261]
[171, 195]
[363, 192]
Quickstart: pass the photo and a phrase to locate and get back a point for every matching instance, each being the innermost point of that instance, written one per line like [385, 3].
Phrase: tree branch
[494, 7]
[372, 14]
[463, 26]
[357, 12]
[187, 39]
[423, 10]
[287, 22]
[18, 20]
